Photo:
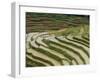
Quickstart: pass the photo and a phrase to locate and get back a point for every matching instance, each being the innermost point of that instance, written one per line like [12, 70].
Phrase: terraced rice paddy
[63, 46]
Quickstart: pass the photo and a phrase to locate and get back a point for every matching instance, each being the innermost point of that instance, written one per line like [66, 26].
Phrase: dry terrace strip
[52, 51]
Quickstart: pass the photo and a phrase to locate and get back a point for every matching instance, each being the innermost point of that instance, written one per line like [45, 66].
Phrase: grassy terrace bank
[40, 22]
